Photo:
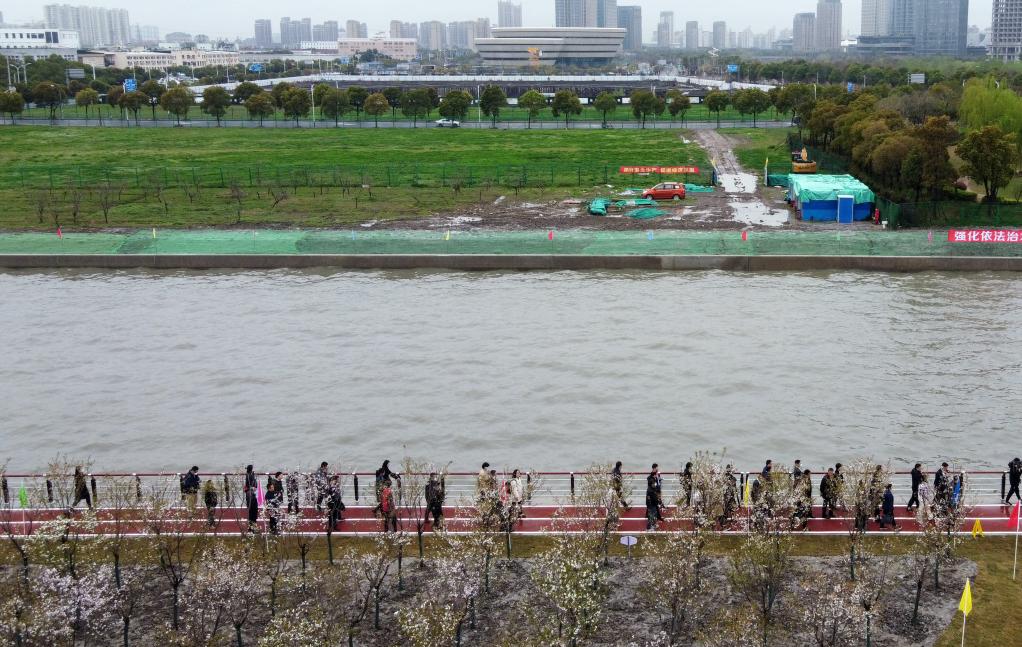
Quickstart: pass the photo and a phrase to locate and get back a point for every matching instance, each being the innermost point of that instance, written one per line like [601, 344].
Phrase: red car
[666, 191]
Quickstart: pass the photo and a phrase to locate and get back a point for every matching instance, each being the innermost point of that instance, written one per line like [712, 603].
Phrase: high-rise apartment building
[720, 34]
[828, 25]
[606, 13]
[145, 34]
[629, 18]
[263, 33]
[356, 29]
[433, 35]
[96, 26]
[329, 30]
[509, 14]
[876, 18]
[941, 27]
[803, 33]
[1006, 30]
[289, 32]
[665, 29]
[400, 29]
[692, 34]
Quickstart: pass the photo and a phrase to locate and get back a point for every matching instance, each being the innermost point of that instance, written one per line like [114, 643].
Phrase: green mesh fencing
[584, 242]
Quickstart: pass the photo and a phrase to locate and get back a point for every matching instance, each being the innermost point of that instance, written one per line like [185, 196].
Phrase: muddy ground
[740, 202]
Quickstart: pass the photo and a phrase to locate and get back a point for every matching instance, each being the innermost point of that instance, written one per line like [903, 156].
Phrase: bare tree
[571, 580]
[829, 611]
[75, 195]
[278, 194]
[238, 195]
[107, 195]
[861, 491]
[41, 199]
[673, 583]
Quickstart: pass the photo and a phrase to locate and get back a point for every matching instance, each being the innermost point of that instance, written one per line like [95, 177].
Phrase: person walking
[1014, 477]
[807, 494]
[796, 473]
[274, 499]
[388, 508]
[516, 497]
[875, 491]
[385, 475]
[617, 482]
[917, 478]
[251, 491]
[731, 500]
[925, 497]
[335, 502]
[190, 487]
[210, 498]
[765, 472]
[686, 484]
[321, 481]
[942, 485]
[292, 493]
[435, 496]
[887, 510]
[483, 480]
[839, 485]
[81, 489]
[652, 504]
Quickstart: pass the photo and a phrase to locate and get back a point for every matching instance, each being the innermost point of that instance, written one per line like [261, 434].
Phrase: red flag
[745, 235]
[550, 235]
[1013, 519]
[59, 235]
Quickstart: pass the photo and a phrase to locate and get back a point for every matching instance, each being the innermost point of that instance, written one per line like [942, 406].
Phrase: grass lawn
[183, 177]
[697, 112]
[756, 145]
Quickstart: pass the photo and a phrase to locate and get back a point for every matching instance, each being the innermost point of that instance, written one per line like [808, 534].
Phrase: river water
[160, 370]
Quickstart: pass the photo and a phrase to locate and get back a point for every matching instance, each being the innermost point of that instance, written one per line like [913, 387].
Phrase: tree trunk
[124, 633]
[176, 593]
[919, 594]
[330, 542]
[117, 555]
[237, 635]
[376, 608]
[400, 573]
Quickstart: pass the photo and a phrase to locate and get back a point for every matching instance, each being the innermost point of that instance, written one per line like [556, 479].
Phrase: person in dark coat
[321, 480]
[652, 505]
[81, 489]
[888, 509]
[251, 491]
[190, 487]
[876, 491]
[388, 507]
[335, 502]
[274, 499]
[796, 473]
[384, 474]
[942, 485]
[292, 493]
[435, 496]
[210, 498]
[765, 473]
[731, 501]
[686, 484]
[917, 478]
[828, 493]
[617, 481]
[1014, 477]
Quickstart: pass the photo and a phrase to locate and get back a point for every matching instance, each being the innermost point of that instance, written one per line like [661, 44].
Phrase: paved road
[509, 125]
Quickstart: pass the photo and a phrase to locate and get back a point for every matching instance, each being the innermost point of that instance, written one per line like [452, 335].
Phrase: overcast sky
[232, 19]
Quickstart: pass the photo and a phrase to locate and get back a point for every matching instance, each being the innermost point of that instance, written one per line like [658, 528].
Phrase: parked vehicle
[665, 191]
[447, 123]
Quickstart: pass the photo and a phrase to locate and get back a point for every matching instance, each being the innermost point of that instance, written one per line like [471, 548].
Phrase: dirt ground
[740, 202]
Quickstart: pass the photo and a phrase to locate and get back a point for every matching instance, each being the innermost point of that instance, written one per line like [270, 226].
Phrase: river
[148, 370]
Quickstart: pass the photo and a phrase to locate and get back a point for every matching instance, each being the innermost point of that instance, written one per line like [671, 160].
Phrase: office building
[629, 18]
[263, 33]
[803, 33]
[1006, 30]
[876, 18]
[692, 35]
[719, 35]
[552, 45]
[400, 29]
[356, 29]
[293, 32]
[400, 49]
[145, 34]
[941, 27]
[96, 26]
[828, 25]
[576, 13]
[665, 29]
[606, 13]
[509, 14]
[433, 35]
[19, 42]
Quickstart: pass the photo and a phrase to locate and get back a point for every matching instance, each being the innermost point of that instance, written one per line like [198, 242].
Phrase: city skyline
[227, 21]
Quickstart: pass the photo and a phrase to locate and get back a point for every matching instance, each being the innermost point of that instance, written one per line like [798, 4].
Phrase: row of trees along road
[901, 139]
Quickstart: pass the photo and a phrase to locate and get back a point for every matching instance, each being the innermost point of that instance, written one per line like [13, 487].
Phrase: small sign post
[130, 85]
[629, 541]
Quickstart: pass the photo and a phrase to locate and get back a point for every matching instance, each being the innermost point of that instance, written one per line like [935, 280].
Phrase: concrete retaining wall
[484, 262]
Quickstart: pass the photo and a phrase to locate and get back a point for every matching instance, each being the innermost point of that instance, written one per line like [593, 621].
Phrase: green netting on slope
[698, 188]
[635, 202]
[777, 179]
[646, 214]
[861, 242]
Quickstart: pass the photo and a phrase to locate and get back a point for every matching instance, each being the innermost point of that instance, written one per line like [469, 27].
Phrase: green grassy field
[756, 145]
[697, 112]
[333, 177]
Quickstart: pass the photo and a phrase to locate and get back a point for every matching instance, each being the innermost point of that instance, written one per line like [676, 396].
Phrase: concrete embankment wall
[484, 262]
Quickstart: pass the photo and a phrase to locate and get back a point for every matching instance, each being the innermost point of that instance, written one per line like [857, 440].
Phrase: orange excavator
[800, 162]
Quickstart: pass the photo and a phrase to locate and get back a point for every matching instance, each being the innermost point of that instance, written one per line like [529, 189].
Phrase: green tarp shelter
[812, 188]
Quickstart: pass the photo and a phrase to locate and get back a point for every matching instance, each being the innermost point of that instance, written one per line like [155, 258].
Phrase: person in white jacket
[516, 495]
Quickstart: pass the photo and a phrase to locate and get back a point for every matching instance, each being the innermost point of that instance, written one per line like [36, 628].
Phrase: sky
[231, 19]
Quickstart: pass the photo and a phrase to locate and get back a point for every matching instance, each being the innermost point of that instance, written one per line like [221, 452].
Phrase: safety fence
[41, 491]
[96, 177]
[951, 214]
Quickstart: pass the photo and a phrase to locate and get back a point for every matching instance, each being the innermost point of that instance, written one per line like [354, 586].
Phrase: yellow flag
[447, 236]
[965, 606]
[747, 498]
[977, 529]
[154, 232]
